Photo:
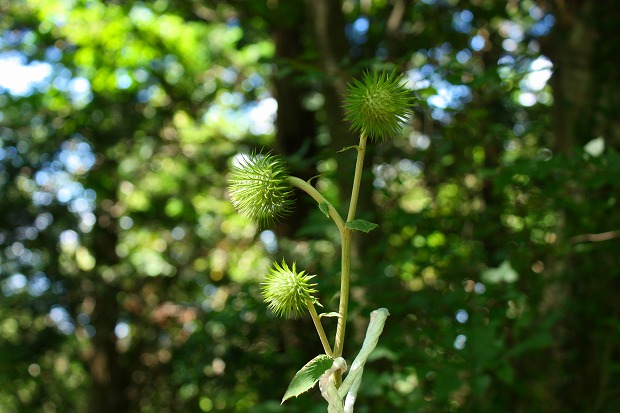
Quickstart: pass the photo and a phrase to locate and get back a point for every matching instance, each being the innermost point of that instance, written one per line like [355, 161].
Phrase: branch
[603, 236]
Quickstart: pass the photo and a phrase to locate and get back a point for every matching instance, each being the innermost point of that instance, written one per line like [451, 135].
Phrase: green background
[129, 283]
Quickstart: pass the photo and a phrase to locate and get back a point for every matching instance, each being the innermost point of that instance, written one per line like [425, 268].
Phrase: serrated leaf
[306, 378]
[361, 225]
[332, 314]
[346, 148]
[324, 207]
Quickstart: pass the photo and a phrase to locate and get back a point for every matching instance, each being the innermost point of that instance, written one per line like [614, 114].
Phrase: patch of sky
[506, 60]
[256, 117]
[420, 141]
[357, 32]
[76, 155]
[83, 319]
[144, 95]
[270, 241]
[69, 239]
[53, 54]
[12, 38]
[518, 129]
[461, 21]
[177, 233]
[417, 80]
[234, 99]
[440, 53]
[262, 115]
[140, 14]
[461, 316]
[79, 89]
[61, 79]
[540, 73]
[233, 22]
[228, 75]
[140, 75]
[459, 342]
[449, 96]
[43, 221]
[446, 97]
[513, 34]
[121, 330]
[512, 30]
[463, 56]
[38, 284]
[20, 78]
[252, 82]
[60, 317]
[56, 180]
[123, 79]
[533, 84]
[477, 43]
[407, 166]
[543, 26]
[14, 284]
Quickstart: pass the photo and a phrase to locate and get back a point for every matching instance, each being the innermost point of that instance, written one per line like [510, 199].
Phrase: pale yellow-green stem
[318, 197]
[319, 328]
[335, 216]
[345, 238]
[361, 151]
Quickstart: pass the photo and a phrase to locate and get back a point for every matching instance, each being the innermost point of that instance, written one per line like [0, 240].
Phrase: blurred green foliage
[129, 284]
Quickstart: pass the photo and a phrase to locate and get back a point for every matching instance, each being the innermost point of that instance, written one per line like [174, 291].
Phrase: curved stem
[318, 197]
[319, 328]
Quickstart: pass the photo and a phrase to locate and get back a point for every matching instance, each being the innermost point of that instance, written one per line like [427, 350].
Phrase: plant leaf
[324, 207]
[332, 314]
[346, 148]
[361, 225]
[306, 378]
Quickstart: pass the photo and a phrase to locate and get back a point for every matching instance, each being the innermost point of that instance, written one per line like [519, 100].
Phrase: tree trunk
[296, 125]
[109, 377]
[586, 88]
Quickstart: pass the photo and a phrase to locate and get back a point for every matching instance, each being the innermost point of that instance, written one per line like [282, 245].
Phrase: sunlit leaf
[307, 377]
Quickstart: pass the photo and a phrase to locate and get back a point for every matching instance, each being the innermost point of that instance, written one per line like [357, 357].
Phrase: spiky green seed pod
[287, 291]
[259, 188]
[378, 105]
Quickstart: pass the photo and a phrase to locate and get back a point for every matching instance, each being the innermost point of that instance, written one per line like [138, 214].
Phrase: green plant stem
[345, 237]
[319, 328]
[355, 191]
[345, 240]
[318, 197]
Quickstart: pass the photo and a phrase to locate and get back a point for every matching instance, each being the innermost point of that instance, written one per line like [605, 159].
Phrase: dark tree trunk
[296, 125]
[109, 377]
[586, 86]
